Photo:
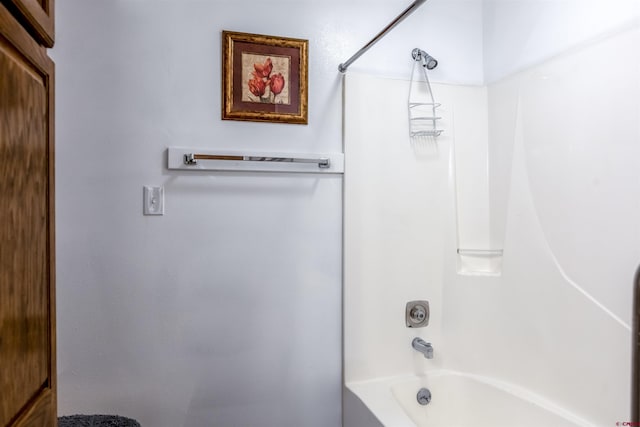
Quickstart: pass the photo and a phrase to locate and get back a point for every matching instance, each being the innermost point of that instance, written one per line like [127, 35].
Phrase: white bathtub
[458, 400]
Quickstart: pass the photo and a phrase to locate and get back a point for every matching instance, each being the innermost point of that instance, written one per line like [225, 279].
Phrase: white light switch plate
[153, 200]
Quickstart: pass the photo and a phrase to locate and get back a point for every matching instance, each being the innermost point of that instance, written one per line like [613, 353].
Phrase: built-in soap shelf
[480, 262]
[480, 252]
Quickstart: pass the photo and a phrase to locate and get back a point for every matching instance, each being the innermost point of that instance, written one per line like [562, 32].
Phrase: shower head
[427, 60]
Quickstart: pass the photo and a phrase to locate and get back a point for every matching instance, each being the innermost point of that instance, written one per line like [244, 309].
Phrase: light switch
[153, 200]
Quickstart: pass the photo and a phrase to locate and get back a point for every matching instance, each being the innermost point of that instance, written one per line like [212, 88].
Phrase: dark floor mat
[96, 421]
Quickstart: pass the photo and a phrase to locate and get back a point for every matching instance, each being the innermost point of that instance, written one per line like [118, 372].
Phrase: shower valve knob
[417, 314]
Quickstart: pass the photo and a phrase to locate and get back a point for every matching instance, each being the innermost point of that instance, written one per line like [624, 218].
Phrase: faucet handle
[417, 314]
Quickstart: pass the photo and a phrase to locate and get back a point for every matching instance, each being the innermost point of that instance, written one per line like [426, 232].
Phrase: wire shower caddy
[423, 118]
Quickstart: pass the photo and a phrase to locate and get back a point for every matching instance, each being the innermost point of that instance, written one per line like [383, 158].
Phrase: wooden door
[635, 348]
[36, 16]
[27, 298]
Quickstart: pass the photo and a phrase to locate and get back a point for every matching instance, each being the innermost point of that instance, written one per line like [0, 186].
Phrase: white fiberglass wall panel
[400, 219]
[565, 196]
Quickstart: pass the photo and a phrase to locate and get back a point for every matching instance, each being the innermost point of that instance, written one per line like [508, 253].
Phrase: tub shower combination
[459, 399]
[516, 352]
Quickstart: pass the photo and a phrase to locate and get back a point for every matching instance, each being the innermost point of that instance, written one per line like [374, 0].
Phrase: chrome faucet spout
[423, 347]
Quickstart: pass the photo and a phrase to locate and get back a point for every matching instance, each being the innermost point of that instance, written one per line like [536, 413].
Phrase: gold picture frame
[264, 78]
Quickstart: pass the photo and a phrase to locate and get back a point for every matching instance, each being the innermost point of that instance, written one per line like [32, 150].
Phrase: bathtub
[458, 400]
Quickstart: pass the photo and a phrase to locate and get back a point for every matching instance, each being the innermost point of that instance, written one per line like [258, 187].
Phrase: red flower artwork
[264, 70]
[277, 83]
[257, 86]
[262, 78]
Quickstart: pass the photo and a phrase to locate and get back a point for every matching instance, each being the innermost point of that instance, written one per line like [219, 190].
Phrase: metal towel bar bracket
[192, 159]
[197, 159]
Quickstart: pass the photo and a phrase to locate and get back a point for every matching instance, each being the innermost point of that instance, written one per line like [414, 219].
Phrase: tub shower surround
[521, 340]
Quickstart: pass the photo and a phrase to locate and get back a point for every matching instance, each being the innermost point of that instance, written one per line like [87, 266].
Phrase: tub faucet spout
[423, 347]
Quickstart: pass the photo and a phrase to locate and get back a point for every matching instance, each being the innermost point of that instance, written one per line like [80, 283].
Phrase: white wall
[226, 310]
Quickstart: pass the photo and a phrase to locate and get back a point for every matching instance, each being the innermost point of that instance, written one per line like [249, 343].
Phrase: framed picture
[264, 78]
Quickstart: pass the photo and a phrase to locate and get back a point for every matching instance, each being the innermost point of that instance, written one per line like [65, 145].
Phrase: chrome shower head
[427, 60]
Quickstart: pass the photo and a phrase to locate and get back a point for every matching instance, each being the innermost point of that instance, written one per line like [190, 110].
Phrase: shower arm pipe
[416, 4]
